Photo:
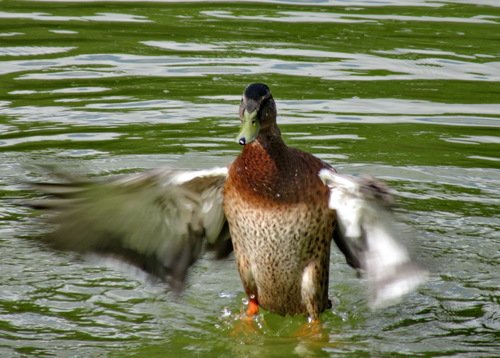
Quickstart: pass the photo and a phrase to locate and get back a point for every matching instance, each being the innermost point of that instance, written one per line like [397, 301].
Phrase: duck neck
[270, 138]
[260, 167]
[265, 158]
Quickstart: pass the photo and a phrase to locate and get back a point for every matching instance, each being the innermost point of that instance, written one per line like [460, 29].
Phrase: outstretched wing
[157, 220]
[367, 236]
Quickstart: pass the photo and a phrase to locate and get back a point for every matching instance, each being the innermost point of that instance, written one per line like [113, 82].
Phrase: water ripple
[99, 17]
[350, 66]
[74, 137]
[378, 110]
[322, 17]
[363, 3]
[32, 50]
[159, 85]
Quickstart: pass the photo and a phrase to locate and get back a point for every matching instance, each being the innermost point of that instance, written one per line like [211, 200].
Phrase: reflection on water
[99, 17]
[32, 50]
[360, 67]
[60, 137]
[313, 17]
[116, 110]
[406, 93]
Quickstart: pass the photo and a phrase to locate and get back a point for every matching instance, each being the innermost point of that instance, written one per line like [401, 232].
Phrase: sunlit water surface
[407, 91]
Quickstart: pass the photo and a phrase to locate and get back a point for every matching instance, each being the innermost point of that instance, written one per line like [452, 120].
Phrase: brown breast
[273, 174]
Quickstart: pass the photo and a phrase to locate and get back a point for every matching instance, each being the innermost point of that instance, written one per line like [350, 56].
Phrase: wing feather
[157, 220]
[367, 236]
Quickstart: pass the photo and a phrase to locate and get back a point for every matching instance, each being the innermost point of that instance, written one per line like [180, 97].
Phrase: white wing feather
[367, 229]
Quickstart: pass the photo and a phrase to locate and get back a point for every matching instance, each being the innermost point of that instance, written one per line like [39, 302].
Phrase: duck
[277, 208]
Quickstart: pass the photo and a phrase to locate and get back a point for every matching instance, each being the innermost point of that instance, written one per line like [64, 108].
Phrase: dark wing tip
[378, 191]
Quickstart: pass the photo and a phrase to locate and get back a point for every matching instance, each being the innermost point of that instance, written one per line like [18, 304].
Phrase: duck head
[257, 114]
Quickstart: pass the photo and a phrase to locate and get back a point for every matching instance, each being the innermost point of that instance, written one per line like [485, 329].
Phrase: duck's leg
[312, 290]
[253, 306]
[246, 325]
[248, 280]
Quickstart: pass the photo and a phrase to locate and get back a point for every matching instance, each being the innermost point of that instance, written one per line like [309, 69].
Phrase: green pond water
[408, 91]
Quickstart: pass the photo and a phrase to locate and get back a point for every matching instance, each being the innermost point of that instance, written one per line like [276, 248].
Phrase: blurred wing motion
[367, 236]
[157, 220]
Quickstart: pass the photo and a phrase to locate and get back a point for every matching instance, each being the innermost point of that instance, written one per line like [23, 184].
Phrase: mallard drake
[270, 205]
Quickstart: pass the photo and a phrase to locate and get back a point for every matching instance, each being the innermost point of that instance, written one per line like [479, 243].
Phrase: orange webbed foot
[246, 325]
[312, 329]
[253, 307]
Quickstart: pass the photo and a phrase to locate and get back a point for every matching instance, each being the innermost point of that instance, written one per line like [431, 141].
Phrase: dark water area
[407, 91]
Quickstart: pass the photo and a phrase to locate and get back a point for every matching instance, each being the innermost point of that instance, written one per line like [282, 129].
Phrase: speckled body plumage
[281, 226]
